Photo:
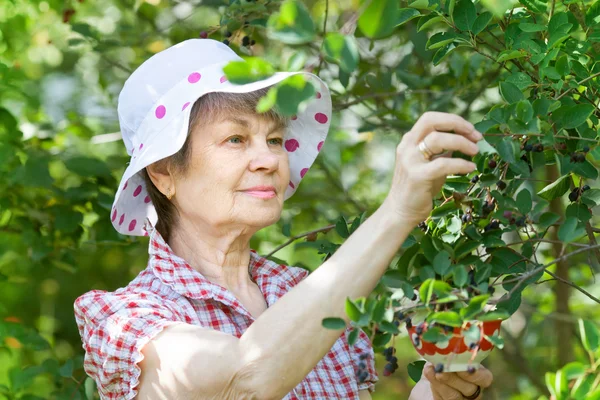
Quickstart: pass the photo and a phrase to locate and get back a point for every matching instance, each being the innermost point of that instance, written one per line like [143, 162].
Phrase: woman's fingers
[453, 380]
[482, 377]
[443, 166]
[440, 142]
[439, 121]
[440, 390]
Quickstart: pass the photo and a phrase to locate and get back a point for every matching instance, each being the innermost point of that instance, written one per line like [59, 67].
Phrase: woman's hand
[450, 385]
[416, 181]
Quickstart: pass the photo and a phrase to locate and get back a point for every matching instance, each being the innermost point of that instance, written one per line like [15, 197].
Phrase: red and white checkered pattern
[114, 326]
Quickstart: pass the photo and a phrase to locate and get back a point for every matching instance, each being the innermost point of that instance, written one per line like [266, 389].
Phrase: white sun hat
[154, 111]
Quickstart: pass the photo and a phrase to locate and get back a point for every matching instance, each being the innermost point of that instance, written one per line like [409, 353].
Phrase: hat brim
[164, 130]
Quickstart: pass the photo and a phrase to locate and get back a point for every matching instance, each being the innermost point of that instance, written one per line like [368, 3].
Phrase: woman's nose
[265, 158]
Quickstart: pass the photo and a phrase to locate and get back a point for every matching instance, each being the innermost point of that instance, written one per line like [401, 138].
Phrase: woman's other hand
[416, 181]
[455, 385]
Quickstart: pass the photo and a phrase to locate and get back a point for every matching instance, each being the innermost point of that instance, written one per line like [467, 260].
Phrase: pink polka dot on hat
[154, 109]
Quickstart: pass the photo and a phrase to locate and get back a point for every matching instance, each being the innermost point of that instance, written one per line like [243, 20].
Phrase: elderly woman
[209, 318]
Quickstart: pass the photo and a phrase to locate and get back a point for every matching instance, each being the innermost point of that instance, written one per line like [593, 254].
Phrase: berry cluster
[246, 40]
[575, 193]
[362, 374]
[392, 364]
[577, 157]
[536, 148]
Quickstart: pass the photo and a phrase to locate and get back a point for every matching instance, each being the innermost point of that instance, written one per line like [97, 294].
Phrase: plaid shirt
[114, 326]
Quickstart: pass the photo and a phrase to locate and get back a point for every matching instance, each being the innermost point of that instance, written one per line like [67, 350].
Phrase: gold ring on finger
[425, 150]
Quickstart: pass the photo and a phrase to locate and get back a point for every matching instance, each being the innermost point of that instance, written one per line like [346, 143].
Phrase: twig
[294, 238]
[524, 277]
[578, 83]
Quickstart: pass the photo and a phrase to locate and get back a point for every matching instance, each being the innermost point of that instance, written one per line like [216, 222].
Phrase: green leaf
[510, 305]
[593, 195]
[510, 55]
[510, 93]
[524, 111]
[379, 310]
[556, 189]
[475, 306]
[494, 316]
[495, 340]
[333, 323]
[464, 15]
[427, 20]
[66, 371]
[460, 276]
[441, 54]
[341, 227]
[524, 201]
[343, 50]
[472, 334]
[431, 286]
[529, 27]
[441, 263]
[570, 117]
[252, 69]
[268, 101]
[569, 232]
[590, 335]
[415, 370]
[547, 219]
[353, 336]
[592, 16]
[292, 24]
[406, 14]
[449, 318]
[379, 19]
[352, 310]
[292, 92]
[481, 22]
[563, 65]
[573, 370]
[440, 39]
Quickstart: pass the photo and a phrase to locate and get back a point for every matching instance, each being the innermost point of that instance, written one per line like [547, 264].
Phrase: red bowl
[454, 354]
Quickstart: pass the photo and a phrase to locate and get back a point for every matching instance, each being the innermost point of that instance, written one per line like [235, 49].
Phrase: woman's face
[228, 157]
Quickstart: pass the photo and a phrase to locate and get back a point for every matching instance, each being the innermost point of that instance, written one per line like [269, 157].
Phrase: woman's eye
[278, 141]
[234, 137]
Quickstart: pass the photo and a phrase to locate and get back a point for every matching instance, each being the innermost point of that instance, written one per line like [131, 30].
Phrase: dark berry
[492, 164]
[507, 214]
[471, 369]
[423, 226]
[396, 323]
[471, 276]
[408, 323]
[473, 346]
[226, 42]
[562, 146]
[586, 149]
[528, 147]
[538, 147]
[466, 218]
[389, 367]
[495, 224]
[245, 41]
[203, 34]
[512, 221]
[574, 195]
[501, 185]
[417, 341]
[246, 23]
[585, 187]
[419, 329]
[399, 315]
[227, 34]
[475, 179]
[386, 372]
[491, 290]
[252, 42]
[439, 368]
[580, 157]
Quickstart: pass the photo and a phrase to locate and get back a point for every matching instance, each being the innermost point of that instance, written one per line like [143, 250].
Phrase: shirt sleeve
[363, 346]
[114, 328]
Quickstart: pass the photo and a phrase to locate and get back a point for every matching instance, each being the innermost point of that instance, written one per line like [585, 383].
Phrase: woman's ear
[161, 176]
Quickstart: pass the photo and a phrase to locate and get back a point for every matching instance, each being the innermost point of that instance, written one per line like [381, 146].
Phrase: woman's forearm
[286, 342]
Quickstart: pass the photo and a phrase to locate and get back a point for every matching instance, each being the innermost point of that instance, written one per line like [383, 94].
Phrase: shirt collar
[176, 273]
